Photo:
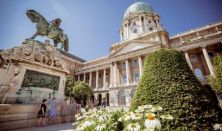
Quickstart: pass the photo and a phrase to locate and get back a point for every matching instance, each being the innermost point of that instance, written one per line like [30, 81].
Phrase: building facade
[25, 70]
[115, 76]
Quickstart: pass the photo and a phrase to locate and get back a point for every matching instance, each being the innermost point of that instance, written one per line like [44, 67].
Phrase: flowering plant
[145, 117]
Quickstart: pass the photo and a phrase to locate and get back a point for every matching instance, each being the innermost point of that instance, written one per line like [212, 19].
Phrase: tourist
[74, 110]
[89, 105]
[64, 107]
[42, 113]
[52, 110]
[104, 103]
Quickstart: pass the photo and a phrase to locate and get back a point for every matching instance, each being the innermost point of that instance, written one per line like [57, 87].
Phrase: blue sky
[92, 25]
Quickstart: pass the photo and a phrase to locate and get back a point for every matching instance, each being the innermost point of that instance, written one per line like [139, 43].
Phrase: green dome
[138, 7]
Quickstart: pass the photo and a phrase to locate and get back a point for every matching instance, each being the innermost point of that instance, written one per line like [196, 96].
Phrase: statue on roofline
[50, 29]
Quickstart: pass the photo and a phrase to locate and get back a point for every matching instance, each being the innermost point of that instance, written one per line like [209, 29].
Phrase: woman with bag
[42, 113]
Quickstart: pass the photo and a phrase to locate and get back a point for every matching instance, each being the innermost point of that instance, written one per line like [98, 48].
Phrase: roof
[71, 56]
[138, 7]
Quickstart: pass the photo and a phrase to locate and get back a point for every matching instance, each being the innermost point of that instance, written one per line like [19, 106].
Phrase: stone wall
[24, 116]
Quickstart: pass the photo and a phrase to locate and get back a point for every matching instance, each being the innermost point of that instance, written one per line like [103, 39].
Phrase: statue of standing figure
[50, 29]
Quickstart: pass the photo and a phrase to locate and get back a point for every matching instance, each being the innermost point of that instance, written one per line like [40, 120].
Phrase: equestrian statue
[50, 29]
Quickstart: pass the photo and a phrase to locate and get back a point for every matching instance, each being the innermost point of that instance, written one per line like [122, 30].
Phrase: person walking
[64, 107]
[52, 110]
[42, 113]
[89, 105]
[74, 110]
[104, 103]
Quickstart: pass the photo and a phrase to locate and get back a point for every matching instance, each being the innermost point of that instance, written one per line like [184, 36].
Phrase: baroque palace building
[115, 76]
[28, 74]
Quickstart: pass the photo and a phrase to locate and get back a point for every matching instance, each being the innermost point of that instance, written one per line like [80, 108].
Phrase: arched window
[198, 73]
[193, 59]
[121, 98]
[137, 76]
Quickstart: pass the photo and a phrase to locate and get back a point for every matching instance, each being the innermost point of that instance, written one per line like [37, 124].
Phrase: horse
[49, 29]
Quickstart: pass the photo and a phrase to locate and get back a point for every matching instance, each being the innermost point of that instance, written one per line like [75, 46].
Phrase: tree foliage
[216, 81]
[78, 90]
[168, 81]
[69, 85]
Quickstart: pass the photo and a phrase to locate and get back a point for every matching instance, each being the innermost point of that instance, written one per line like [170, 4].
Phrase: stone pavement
[55, 127]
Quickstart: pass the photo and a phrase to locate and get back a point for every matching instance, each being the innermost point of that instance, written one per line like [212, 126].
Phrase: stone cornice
[135, 53]
[106, 64]
[196, 30]
[148, 34]
[122, 87]
[199, 43]
[39, 65]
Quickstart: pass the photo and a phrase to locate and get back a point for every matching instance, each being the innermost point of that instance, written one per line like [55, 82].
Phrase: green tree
[70, 83]
[167, 81]
[216, 81]
[78, 90]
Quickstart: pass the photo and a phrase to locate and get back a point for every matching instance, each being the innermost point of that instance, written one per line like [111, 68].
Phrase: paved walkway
[56, 127]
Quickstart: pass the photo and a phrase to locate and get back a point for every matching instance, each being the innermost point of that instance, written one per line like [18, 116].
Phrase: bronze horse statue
[50, 29]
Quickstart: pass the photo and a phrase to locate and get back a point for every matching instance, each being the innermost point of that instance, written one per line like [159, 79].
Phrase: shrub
[168, 81]
[216, 81]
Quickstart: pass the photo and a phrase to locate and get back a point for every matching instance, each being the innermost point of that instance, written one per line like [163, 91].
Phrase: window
[151, 28]
[121, 97]
[124, 65]
[124, 78]
[198, 73]
[135, 63]
[149, 21]
[134, 23]
[193, 59]
[137, 76]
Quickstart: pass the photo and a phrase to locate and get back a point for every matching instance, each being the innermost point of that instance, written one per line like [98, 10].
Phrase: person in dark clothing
[104, 103]
[42, 113]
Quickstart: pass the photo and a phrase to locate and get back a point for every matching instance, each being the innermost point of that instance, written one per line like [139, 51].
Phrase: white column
[84, 77]
[104, 78]
[127, 72]
[157, 23]
[90, 79]
[128, 31]
[207, 58]
[97, 79]
[111, 75]
[141, 24]
[79, 77]
[121, 37]
[125, 32]
[115, 74]
[144, 24]
[188, 60]
[140, 65]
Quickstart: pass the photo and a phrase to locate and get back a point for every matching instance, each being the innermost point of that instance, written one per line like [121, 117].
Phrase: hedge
[168, 81]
